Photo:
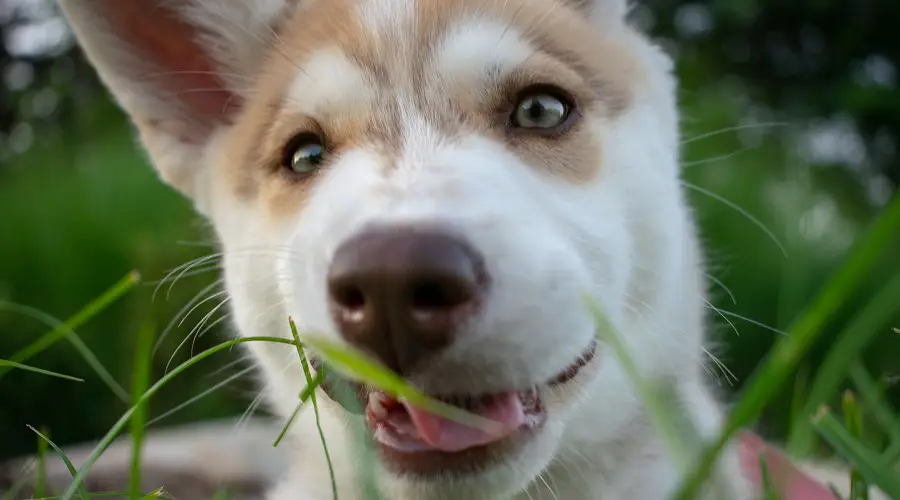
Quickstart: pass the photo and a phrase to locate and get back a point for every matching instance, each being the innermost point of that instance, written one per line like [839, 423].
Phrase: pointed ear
[179, 68]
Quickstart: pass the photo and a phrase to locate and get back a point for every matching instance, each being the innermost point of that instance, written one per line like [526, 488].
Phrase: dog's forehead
[392, 45]
[397, 41]
[377, 33]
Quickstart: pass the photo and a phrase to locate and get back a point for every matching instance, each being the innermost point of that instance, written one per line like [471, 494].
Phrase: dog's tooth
[376, 404]
[529, 397]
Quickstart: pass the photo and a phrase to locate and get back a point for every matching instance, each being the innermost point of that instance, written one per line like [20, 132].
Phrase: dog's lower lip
[573, 369]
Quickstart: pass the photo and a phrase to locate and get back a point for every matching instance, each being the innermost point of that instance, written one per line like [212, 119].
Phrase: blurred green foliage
[81, 207]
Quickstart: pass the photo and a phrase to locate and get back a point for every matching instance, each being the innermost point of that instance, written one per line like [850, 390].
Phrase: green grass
[862, 458]
[859, 490]
[140, 383]
[81, 489]
[66, 329]
[311, 385]
[12, 364]
[40, 487]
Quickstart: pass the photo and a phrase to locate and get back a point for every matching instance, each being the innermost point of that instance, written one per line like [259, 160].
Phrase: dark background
[791, 113]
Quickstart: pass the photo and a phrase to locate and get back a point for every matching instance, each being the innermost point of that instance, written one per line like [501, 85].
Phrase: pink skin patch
[786, 479]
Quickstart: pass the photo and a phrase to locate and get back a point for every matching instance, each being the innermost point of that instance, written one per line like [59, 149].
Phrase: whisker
[552, 493]
[719, 312]
[251, 409]
[207, 299]
[202, 395]
[225, 367]
[163, 74]
[196, 272]
[292, 361]
[752, 321]
[208, 327]
[722, 286]
[735, 128]
[182, 312]
[199, 325]
[730, 377]
[181, 270]
[740, 210]
[716, 159]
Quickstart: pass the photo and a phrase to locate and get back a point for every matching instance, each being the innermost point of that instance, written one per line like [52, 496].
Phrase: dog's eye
[304, 154]
[540, 110]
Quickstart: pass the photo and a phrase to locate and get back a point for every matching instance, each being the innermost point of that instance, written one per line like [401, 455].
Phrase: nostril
[434, 295]
[350, 299]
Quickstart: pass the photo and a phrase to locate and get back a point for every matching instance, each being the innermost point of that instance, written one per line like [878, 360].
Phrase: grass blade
[787, 353]
[221, 494]
[143, 355]
[356, 365]
[859, 490]
[198, 397]
[311, 385]
[64, 329]
[769, 492]
[157, 493]
[20, 366]
[862, 330]
[867, 462]
[89, 357]
[125, 418]
[40, 483]
[881, 410]
[681, 436]
[304, 397]
[81, 489]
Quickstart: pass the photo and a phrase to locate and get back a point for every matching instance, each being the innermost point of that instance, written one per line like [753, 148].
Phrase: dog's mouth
[403, 431]
[407, 429]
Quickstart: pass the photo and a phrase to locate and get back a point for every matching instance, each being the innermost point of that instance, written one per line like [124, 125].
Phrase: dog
[438, 183]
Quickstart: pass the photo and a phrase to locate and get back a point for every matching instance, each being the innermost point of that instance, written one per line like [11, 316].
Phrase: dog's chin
[421, 450]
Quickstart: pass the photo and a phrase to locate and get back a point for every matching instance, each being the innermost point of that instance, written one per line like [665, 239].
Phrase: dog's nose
[401, 293]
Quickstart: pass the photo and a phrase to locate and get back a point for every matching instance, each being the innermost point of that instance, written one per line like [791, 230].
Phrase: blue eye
[305, 154]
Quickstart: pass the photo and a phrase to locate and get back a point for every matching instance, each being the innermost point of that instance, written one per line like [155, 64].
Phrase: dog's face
[438, 183]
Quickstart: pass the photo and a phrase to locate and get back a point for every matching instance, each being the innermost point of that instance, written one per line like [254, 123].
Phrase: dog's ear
[603, 11]
[179, 68]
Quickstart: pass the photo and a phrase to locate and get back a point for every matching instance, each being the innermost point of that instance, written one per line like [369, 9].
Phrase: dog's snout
[402, 293]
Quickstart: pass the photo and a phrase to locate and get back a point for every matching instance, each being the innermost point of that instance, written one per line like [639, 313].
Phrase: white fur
[462, 55]
[626, 238]
[329, 83]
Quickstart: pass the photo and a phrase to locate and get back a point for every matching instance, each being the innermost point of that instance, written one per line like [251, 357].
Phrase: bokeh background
[791, 126]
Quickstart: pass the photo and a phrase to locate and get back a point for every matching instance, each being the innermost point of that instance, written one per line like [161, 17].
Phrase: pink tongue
[448, 436]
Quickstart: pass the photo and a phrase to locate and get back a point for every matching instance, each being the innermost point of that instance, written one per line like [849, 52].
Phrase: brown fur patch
[594, 68]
